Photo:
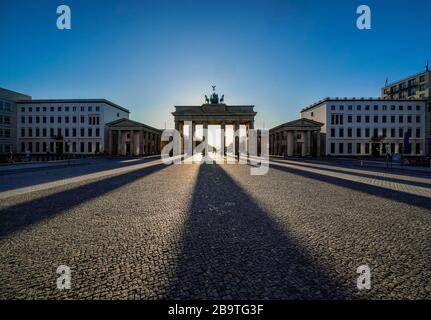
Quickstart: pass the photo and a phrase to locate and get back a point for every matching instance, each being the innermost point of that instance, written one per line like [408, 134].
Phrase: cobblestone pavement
[150, 231]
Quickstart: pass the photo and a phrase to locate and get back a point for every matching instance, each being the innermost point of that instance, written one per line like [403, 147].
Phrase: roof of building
[74, 101]
[303, 122]
[328, 99]
[405, 79]
[12, 95]
[127, 123]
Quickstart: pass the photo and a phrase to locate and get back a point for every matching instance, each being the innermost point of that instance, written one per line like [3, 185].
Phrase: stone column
[181, 136]
[137, 141]
[304, 144]
[193, 137]
[223, 138]
[141, 142]
[295, 140]
[205, 135]
[132, 143]
[308, 138]
[290, 143]
[119, 143]
[318, 143]
[236, 135]
[109, 141]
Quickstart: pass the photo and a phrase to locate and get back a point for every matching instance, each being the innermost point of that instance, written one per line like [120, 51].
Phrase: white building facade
[8, 111]
[71, 126]
[370, 127]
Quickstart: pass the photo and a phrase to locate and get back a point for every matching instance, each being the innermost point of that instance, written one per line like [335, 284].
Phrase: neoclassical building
[296, 138]
[127, 137]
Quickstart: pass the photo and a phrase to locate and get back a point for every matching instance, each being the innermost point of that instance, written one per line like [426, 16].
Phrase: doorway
[128, 149]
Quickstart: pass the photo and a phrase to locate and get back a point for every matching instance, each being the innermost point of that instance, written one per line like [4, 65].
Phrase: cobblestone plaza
[138, 229]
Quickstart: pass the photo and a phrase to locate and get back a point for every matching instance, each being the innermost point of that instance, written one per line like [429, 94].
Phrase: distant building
[8, 111]
[417, 86]
[370, 127]
[71, 126]
[131, 138]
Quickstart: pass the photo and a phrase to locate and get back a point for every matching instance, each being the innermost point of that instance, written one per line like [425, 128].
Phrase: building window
[392, 132]
[82, 119]
[82, 132]
[74, 132]
[97, 132]
[333, 132]
[418, 132]
[349, 118]
[90, 132]
[341, 148]
[376, 133]
[358, 148]
[400, 132]
[349, 148]
[97, 108]
[418, 148]
[332, 147]
[367, 148]
[22, 119]
[58, 119]
[367, 132]
[82, 147]
[341, 133]
[349, 132]
[400, 119]
[90, 147]
[384, 132]
[358, 132]
[358, 119]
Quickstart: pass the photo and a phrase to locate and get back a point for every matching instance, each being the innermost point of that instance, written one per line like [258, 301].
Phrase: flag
[427, 66]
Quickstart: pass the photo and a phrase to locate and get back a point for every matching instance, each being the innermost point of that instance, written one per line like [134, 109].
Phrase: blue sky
[151, 55]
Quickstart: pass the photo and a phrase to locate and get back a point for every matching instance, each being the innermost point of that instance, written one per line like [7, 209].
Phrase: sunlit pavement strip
[48, 185]
[414, 190]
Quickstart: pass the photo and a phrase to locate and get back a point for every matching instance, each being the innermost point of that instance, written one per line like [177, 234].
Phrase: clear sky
[151, 55]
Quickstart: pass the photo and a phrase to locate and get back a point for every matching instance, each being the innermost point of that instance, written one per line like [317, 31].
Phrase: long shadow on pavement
[26, 214]
[233, 249]
[395, 195]
[14, 179]
[359, 174]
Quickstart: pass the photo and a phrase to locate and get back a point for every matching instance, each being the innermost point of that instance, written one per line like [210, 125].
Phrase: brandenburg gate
[215, 112]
